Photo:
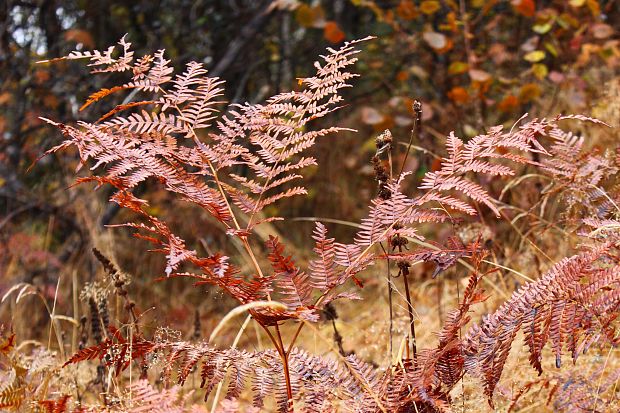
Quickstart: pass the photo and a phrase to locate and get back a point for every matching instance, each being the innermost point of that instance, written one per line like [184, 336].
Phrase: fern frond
[291, 282]
[105, 59]
[115, 351]
[276, 130]
[560, 308]
[323, 271]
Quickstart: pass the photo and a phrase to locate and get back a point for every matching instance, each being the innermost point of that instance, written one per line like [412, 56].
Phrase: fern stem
[415, 132]
[411, 318]
[290, 347]
[287, 375]
[279, 344]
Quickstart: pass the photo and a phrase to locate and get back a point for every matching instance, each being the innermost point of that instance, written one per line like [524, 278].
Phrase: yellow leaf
[542, 28]
[429, 6]
[594, 6]
[540, 70]
[457, 68]
[551, 49]
[535, 56]
[308, 16]
[577, 3]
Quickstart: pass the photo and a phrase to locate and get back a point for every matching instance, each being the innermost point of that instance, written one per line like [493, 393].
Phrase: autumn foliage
[519, 222]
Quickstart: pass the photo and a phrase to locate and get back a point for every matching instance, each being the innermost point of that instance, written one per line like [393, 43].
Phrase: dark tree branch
[247, 33]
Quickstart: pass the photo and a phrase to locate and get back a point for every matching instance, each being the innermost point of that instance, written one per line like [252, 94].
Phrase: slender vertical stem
[287, 376]
[411, 318]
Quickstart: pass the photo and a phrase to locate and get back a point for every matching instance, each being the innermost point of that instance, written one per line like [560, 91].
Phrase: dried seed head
[330, 312]
[398, 241]
[417, 107]
[384, 141]
[403, 266]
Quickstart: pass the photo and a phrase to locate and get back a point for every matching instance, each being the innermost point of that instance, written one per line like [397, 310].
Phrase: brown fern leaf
[575, 390]
[291, 282]
[276, 131]
[55, 406]
[137, 158]
[443, 257]
[579, 175]
[399, 213]
[145, 398]
[319, 384]
[569, 306]
[150, 73]
[115, 351]
[100, 94]
[12, 396]
[119, 108]
[475, 155]
[426, 386]
[323, 271]
[104, 59]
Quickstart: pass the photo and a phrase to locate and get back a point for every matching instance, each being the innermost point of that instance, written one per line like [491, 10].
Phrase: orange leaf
[406, 10]
[5, 97]
[80, 36]
[458, 95]
[41, 76]
[436, 165]
[7, 344]
[50, 101]
[332, 32]
[529, 92]
[451, 23]
[402, 76]
[100, 95]
[508, 104]
[525, 7]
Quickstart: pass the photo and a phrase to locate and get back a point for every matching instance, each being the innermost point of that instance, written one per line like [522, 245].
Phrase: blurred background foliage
[472, 63]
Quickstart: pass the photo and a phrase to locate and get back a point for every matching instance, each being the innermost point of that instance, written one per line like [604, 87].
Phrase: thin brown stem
[415, 133]
[414, 347]
[287, 375]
